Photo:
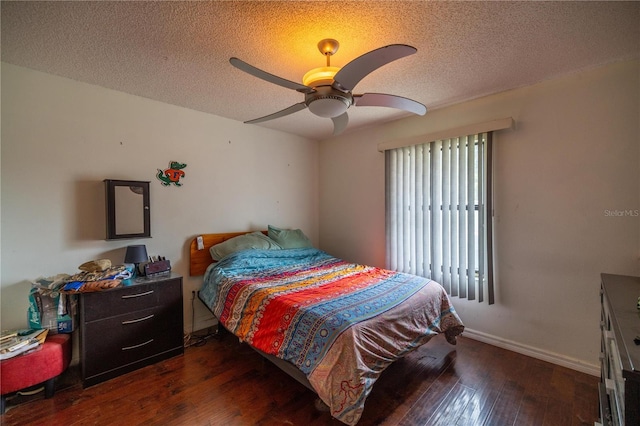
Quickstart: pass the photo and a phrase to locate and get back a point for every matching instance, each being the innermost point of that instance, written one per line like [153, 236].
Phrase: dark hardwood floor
[226, 383]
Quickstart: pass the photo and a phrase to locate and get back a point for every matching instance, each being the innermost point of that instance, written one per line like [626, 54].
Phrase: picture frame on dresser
[130, 326]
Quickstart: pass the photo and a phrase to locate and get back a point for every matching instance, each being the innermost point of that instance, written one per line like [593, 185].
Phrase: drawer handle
[131, 296]
[126, 348]
[137, 320]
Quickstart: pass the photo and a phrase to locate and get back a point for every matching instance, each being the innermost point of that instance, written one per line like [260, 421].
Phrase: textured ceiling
[178, 52]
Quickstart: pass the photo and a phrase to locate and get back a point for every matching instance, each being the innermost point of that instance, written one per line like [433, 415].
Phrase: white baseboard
[543, 355]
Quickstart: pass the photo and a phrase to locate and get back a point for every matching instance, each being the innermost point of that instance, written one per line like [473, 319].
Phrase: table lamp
[136, 254]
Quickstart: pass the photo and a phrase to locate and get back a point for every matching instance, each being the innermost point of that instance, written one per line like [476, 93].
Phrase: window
[438, 204]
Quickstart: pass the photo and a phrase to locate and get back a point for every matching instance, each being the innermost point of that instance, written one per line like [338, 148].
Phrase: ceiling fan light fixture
[328, 98]
[322, 76]
[329, 107]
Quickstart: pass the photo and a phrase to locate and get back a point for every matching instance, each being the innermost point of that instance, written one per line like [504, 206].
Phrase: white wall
[574, 154]
[61, 138]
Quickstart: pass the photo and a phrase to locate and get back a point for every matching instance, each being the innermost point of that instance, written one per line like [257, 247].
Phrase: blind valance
[471, 129]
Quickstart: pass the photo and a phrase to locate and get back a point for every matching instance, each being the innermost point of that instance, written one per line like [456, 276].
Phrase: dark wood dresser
[620, 357]
[130, 327]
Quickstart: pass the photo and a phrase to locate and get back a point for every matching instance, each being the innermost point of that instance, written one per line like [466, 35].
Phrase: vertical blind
[438, 205]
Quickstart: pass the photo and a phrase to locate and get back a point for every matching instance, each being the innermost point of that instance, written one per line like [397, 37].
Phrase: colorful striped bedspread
[340, 323]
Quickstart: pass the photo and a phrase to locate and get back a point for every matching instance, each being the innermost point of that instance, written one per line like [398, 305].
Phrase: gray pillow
[289, 238]
[254, 240]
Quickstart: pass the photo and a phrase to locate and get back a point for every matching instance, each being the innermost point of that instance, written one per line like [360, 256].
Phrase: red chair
[41, 366]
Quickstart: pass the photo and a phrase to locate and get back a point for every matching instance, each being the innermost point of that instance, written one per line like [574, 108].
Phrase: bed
[332, 325]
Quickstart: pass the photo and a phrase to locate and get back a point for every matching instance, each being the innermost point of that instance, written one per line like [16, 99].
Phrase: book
[31, 345]
[13, 345]
[8, 334]
[21, 341]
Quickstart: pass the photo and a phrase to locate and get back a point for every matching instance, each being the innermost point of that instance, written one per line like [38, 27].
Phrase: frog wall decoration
[172, 175]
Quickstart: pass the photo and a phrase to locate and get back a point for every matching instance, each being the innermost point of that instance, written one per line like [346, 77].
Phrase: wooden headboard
[199, 260]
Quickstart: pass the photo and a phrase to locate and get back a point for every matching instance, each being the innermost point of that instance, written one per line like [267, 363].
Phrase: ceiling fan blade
[257, 72]
[391, 101]
[290, 110]
[347, 78]
[340, 123]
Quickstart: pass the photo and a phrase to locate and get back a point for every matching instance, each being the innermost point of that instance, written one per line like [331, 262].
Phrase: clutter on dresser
[158, 265]
[53, 302]
[97, 275]
[94, 275]
[143, 264]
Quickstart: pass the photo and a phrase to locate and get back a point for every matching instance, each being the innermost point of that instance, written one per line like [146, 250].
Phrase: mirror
[128, 212]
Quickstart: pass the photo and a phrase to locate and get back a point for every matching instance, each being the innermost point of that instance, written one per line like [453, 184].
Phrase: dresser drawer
[100, 305]
[130, 327]
[122, 340]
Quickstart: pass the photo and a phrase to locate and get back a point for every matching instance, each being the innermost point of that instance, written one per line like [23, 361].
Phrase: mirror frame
[110, 191]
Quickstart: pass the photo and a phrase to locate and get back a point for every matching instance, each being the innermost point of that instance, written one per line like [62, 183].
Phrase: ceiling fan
[328, 90]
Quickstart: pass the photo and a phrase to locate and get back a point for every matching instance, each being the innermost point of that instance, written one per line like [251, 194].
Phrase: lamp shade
[136, 254]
